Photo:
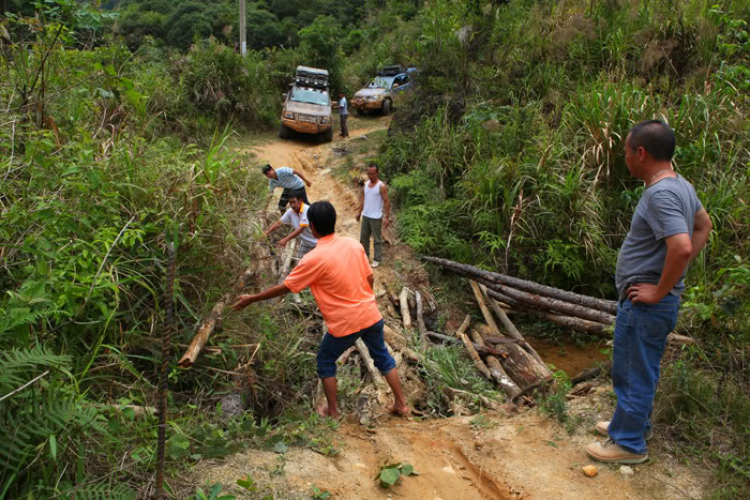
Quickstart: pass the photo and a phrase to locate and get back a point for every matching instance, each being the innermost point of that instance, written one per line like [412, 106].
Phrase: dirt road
[495, 456]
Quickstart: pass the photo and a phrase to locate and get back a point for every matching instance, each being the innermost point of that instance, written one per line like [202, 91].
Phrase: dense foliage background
[113, 142]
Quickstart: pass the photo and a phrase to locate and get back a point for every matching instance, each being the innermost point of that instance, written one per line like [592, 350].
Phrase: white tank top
[373, 208]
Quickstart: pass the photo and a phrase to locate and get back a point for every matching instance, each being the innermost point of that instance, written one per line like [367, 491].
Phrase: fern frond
[17, 362]
[34, 421]
[100, 492]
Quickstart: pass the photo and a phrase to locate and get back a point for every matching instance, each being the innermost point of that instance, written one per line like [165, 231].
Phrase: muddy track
[518, 456]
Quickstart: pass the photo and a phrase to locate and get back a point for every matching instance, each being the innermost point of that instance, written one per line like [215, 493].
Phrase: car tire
[386, 109]
[284, 132]
[360, 112]
[328, 135]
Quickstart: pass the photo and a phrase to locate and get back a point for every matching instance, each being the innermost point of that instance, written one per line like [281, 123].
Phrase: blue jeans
[640, 337]
[331, 348]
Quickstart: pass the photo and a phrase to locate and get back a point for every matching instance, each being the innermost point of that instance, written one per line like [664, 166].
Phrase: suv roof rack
[391, 71]
[311, 77]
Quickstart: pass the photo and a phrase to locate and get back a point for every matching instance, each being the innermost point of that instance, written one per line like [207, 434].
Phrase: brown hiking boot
[611, 452]
[602, 428]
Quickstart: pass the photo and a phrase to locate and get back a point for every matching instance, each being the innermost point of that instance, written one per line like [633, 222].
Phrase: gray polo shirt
[667, 207]
[286, 179]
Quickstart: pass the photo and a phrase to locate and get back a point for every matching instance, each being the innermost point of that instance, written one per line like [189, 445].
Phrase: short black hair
[266, 169]
[322, 216]
[375, 165]
[656, 137]
[296, 193]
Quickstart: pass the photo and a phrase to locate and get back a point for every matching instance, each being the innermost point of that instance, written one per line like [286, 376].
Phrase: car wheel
[284, 132]
[328, 135]
[386, 107]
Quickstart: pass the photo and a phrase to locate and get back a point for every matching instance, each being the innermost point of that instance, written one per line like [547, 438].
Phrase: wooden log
[420, 322]
[288, 256]
[511, 328]
[464, 326]
[579, 324]
[502, 379]
[478, 363]
[213, 320]
[405, 315]
[525, 371]
[377, 378]
[674, 338]
[486, 349]
[608, 306]
[554, 305]
[591, 373]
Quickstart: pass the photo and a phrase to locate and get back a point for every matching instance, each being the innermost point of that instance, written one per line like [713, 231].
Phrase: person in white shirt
[344, 114]
[296, 216]
[288, 179]
[373, 208]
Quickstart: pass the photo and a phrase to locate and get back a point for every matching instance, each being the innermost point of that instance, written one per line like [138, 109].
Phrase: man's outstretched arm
[245, 300]
[291, 236]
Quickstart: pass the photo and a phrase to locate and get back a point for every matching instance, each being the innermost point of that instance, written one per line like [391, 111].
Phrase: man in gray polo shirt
[669, 228]
[287, 178]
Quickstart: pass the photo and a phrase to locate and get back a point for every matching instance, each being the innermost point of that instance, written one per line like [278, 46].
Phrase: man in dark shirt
[669, 228]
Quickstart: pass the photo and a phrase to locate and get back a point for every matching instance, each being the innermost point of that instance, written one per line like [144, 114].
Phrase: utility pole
[243, 34]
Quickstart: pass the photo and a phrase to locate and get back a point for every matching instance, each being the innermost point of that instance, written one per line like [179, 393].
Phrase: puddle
[569, 357]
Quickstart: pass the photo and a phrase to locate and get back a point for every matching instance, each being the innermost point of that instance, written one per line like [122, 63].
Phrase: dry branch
[405, 315]
[608, 306]
[478, 363]
[500, 353]
[214, 319]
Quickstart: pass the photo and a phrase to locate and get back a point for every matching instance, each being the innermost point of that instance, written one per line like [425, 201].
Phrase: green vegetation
[114, 143]
[509, 156]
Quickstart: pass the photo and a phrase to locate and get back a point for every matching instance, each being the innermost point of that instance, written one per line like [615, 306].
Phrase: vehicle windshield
[310, 96]
[381, 82]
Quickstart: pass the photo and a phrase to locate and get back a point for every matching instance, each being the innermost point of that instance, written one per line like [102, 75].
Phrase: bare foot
[325, 411]
[401, 410]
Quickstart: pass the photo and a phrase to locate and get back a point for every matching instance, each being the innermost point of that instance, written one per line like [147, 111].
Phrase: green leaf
[280, 447]
[53, 446]
[407, 470]
[129, 414]
[389, 476]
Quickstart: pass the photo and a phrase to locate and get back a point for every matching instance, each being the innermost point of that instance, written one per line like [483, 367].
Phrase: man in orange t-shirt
[341, 280]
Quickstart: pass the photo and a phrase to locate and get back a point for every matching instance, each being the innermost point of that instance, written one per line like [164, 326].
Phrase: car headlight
[289, 114]
[325, 120]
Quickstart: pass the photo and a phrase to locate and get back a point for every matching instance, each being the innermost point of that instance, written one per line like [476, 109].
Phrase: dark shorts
[331, 349]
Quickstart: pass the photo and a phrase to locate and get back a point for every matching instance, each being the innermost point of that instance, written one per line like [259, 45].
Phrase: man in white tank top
[373, 208]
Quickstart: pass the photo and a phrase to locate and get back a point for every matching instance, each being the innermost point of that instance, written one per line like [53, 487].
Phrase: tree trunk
[552, 305]
[580, 324]
[608, 306]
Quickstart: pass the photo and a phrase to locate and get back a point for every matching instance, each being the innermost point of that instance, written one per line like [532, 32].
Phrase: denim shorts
[331, 348]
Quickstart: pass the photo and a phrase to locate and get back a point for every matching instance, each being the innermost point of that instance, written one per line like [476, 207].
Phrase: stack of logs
[580, 312]
[507, 359]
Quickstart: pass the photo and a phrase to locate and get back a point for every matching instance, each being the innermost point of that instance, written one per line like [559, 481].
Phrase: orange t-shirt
[336, 271]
